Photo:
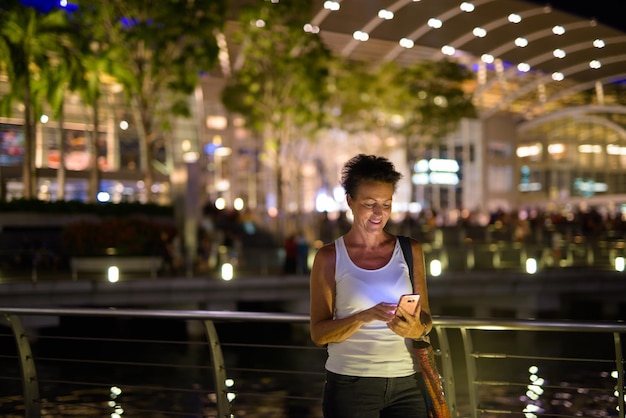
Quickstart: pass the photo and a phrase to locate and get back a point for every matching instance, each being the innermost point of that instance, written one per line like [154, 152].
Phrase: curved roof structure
[530, 59]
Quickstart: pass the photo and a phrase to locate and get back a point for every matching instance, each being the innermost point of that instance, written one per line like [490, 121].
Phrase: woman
[356, 282]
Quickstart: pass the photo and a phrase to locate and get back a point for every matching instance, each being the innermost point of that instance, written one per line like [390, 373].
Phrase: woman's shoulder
[327, 250]
[325, 258]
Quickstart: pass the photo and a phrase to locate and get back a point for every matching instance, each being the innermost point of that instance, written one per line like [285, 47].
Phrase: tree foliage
[435, 98]
[424, 100]
[30, 41]
[283, 76]
[161, 49]
[281, 86]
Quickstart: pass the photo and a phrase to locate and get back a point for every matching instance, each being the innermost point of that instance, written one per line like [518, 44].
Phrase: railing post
[619, 365]
[470, 364]
[219, 370]
[448, 371]
[32, 403]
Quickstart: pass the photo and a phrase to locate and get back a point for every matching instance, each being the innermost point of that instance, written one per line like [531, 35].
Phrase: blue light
[44, 6]
[47, 6]
[129, 22]
[210, 148]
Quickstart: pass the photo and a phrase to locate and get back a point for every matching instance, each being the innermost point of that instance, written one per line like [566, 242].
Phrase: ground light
[227, 271]
[531, 266]
[113, 274]
[435, 268]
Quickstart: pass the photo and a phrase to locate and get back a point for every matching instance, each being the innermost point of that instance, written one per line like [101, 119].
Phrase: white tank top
[374, 350]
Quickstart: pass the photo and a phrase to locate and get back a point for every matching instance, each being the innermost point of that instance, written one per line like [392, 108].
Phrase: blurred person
[355, 284]
[302, 259]
[291, 255]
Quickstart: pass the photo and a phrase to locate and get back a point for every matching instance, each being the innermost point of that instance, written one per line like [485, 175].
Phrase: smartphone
[409, 303]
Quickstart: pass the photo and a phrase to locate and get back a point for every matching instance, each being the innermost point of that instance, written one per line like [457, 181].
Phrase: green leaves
[283, 76]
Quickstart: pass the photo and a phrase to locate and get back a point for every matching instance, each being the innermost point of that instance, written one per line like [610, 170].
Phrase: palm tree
[28, 41]
[161, 48]
[96, 57]
[63, 75]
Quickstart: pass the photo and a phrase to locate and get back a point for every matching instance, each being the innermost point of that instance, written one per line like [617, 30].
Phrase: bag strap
[405, 244]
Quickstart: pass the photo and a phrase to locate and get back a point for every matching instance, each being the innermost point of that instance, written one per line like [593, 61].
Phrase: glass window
[500, 178]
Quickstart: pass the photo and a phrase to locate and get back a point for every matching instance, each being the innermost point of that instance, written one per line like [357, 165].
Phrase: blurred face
[371, 205]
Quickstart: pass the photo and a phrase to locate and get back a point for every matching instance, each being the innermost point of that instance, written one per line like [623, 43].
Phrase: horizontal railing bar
[275, 371]
[119, 340]
[521, 384]
[289, 347]
[126, 386]
[520, 357]
[121, 363]
[497, 411]
[42, 360]
[154, 412]
[160, 314]
[281, 396]
[68, 407]
[491, 324]
[486, 324]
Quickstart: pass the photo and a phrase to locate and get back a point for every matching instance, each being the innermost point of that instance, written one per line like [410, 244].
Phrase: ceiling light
[360, 36]
[521, 42]
[599, 43]
[467, 7]
[448, 50]
[479, 32]
[406, 43]
[435, 23]
[523, 67]
[558, 30]
[385, 14]
[487, 58]
[514, 18]
[559, 53]
[309, 28]
[595, 64]
[331, 5]
[558, 76]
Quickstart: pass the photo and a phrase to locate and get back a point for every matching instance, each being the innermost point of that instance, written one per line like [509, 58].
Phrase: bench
[135, 264]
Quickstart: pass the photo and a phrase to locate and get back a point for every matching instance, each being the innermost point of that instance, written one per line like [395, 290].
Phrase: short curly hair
[362, 167]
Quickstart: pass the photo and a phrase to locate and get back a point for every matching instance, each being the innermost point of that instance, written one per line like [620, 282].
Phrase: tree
[423, 101]
[98, 57]
[281, 86]
[162, 48]
[434, 99]
[29, 39]
[61, 77]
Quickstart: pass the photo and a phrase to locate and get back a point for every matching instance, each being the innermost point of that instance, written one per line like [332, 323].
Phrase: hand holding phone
[409, 303]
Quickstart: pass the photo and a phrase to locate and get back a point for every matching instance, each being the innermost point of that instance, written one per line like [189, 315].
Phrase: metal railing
[123, 362]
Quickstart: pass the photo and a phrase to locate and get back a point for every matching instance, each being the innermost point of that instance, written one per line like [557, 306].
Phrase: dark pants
[373, 397]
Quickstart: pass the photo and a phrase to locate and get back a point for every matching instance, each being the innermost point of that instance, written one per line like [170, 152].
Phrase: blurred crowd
[590, 224]
[529, 226]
